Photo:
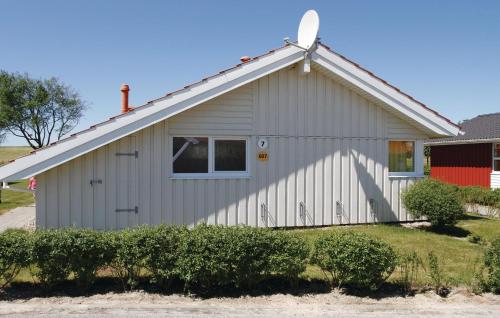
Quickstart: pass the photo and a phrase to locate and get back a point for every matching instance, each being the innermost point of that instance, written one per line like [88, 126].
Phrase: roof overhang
[209, 88]
[149, 114]
[462, 142]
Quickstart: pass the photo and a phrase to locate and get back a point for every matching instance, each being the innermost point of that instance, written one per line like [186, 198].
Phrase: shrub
[59, 253]
[202, 260]
[51, 256]
[492, 263]
[408, 267]
[436, 201]
[14, 254]
[480, 195]
[161, 251]
[88, 251]
[129, 254]
[247, 252]
[288, 255]
[354, 258]
[436, 275]
[241, 256]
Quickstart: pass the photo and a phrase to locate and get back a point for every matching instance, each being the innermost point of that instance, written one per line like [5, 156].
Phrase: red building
[472, 158]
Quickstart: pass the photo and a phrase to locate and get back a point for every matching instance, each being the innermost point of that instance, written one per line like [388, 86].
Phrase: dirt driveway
[139, 304]
[21, 217]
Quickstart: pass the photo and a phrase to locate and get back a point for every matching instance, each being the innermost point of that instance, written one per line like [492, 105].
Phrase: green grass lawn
[12, 199]
[459, 258]
[9, 153]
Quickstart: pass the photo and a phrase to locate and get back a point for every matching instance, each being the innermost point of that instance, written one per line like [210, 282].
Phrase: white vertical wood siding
[327, 158]
[495, 180]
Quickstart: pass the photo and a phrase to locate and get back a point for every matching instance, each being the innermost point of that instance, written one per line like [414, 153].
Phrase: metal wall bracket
[135, 210]
[130, 154]
[302, 210]
[373, 206]
[263, 212]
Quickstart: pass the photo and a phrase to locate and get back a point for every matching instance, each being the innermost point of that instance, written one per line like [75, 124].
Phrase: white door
[127, 196]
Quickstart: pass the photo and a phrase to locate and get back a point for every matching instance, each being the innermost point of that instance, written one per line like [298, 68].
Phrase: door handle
[95, 181]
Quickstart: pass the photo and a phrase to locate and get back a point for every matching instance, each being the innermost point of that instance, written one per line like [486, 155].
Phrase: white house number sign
[262, 143]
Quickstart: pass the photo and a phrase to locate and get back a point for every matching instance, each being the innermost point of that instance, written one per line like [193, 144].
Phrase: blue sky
[444, 53]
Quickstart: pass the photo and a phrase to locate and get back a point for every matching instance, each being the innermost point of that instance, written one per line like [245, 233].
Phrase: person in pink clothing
[32, 185]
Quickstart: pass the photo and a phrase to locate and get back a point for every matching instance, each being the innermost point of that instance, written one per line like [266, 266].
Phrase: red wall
[468, 164]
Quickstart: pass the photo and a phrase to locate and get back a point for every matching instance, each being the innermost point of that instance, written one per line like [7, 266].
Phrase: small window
[230, 155]
[209, 157]
[401, 156]
[496, 157]
[190, 155]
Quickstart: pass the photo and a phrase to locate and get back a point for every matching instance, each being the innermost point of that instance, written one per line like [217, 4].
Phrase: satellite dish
[308, 29]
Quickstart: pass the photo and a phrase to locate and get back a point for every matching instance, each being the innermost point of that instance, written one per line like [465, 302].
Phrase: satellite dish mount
[307, 36]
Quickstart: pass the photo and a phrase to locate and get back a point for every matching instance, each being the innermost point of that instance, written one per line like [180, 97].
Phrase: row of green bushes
[479, 195]
[208, 257]
[203, 257]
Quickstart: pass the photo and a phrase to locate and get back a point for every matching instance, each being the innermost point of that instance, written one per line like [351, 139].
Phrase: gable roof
[482, 128]
[208, 88]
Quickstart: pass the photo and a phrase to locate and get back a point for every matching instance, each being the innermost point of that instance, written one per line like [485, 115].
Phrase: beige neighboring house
[284, 139]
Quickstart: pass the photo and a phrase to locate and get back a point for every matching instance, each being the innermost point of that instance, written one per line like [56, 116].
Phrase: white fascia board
[148, 115]
[383, 92]
[461, 142]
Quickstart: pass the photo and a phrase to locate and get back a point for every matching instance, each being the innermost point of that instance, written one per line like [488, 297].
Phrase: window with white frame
[209, 156]
[401, 156]
[496, 157]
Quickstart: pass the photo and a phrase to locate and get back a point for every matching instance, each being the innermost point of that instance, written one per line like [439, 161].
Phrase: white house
[288, 138]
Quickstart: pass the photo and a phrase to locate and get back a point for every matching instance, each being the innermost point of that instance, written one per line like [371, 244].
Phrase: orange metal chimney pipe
[124, 89]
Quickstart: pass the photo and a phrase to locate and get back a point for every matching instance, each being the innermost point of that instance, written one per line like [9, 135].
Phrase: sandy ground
[21, 217]
[140, 304]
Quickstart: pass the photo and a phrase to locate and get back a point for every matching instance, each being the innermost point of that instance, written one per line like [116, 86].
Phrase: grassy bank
[9, 153]
[13, 199]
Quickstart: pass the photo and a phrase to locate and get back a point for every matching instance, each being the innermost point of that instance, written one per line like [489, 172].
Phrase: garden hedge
[480, 195]
[205, 256]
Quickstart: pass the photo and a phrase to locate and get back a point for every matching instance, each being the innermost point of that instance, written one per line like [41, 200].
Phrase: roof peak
[490, 114]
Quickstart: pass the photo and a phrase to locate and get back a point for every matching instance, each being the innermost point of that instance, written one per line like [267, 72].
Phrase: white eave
[461, 141]
[212, 87]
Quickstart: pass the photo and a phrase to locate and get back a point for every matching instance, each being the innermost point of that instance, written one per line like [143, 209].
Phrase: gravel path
[21, 217]
[139, 304]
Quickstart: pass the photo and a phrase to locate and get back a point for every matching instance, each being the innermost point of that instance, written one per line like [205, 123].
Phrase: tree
[427, 154]
[38, 110]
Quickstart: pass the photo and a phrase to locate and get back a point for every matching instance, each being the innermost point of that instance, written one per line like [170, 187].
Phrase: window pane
[497, 165]
[230, 155]
[496, 153]
[401, 156]
[190, 155]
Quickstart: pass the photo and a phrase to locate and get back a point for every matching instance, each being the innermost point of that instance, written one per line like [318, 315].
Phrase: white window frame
[418, 161]
[493, 171]
[212, 174]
